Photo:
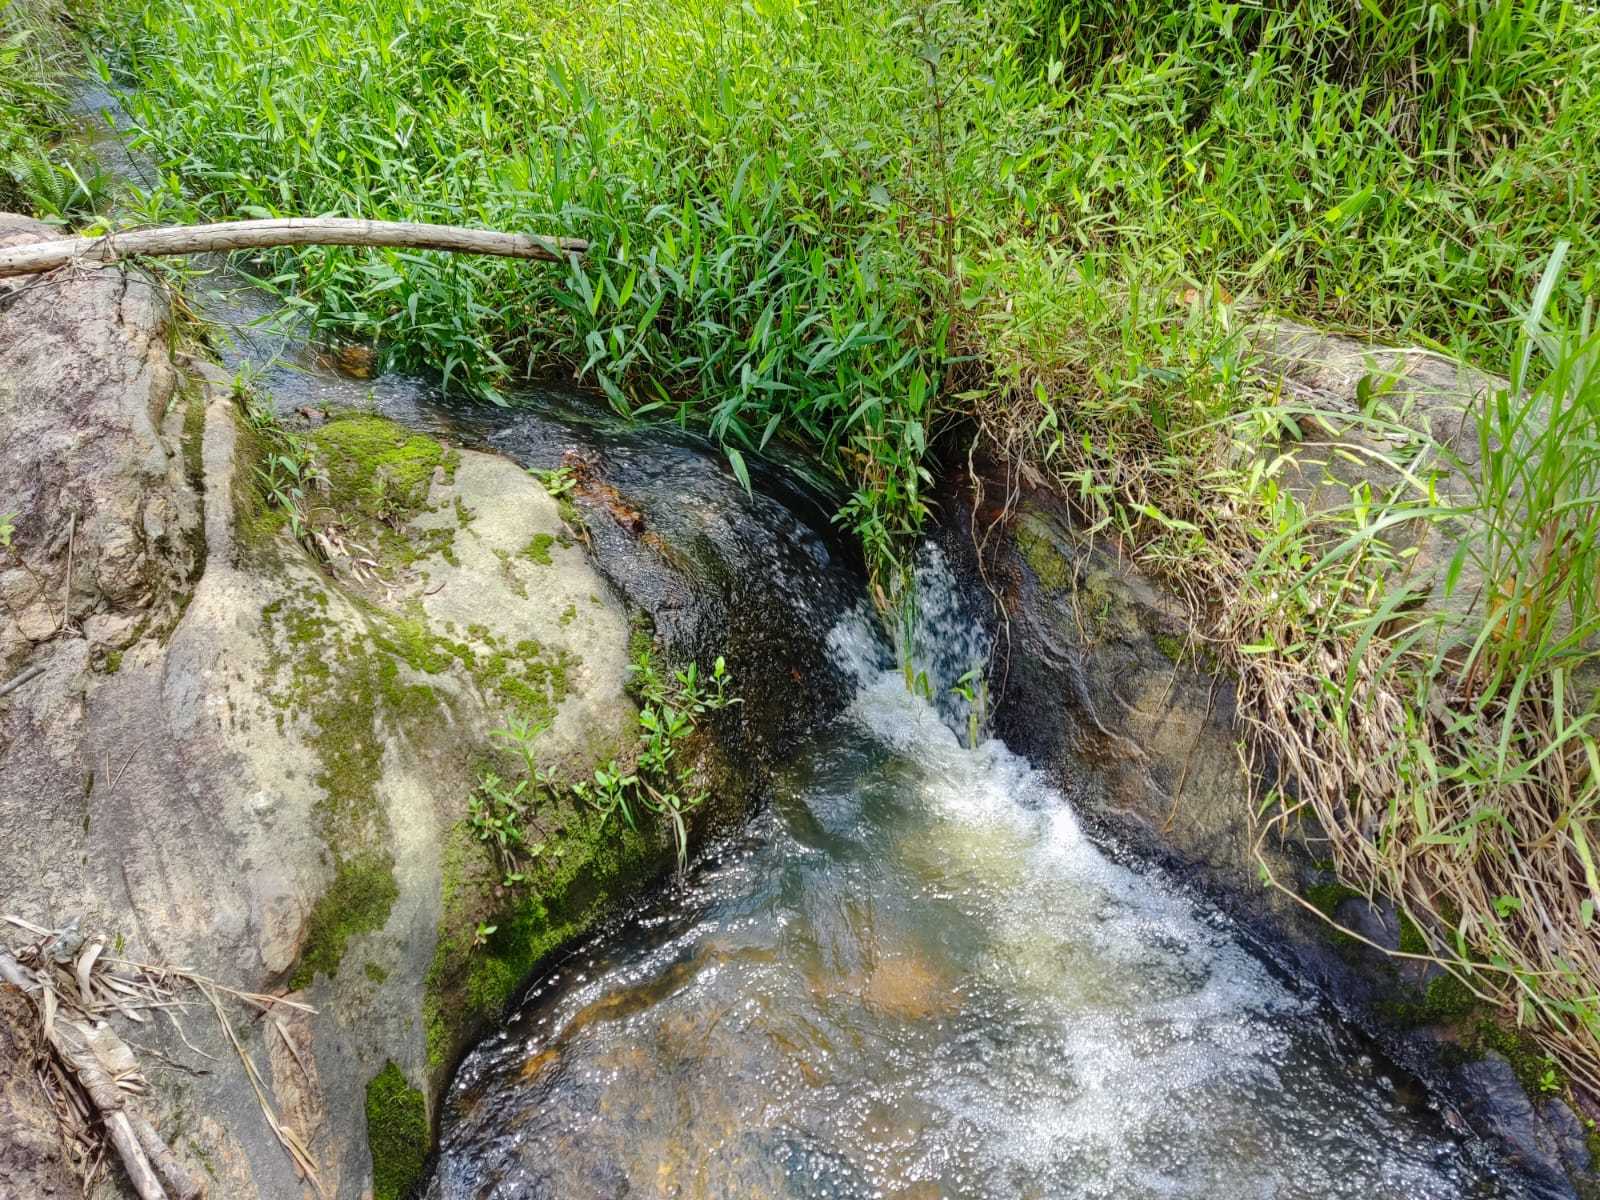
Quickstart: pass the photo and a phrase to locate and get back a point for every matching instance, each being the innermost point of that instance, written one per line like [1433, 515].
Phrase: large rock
[106, 523]
[271, 790]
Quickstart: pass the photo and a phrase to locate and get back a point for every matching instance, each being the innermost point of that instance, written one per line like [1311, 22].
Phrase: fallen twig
[18, 680]
[74, 986]
[286, 231]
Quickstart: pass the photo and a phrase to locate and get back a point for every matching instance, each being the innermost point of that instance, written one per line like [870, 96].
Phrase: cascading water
[914, 977]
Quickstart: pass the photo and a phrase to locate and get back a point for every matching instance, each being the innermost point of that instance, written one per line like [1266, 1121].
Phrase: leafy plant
[557, 482]
[660, 781]
[285, 471]
[503, 815]
[7, 528]
[1449, 718]
[34, 56]
[60, 190]
[973, 688]
[657, 782]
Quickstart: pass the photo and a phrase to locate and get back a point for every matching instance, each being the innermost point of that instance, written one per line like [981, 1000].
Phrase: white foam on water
[1150, 1002]
[926, 972]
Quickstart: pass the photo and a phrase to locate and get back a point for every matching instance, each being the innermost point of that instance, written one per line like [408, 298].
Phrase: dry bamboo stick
[183, 1183]
[285, 231]
[103, 1094]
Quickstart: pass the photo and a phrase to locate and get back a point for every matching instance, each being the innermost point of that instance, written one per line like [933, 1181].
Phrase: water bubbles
[915, 976]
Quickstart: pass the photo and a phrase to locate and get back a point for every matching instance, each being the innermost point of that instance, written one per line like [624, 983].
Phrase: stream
[911, 975]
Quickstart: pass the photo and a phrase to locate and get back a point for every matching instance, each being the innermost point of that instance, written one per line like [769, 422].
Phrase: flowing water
[911, 975]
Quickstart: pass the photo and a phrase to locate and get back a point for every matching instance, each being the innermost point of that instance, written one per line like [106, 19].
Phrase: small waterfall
[943, 647]
[914, 975]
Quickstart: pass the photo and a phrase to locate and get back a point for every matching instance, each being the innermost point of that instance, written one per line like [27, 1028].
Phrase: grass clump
[840, 224]
[1440, 716]
[37, 175]
[397, 1133]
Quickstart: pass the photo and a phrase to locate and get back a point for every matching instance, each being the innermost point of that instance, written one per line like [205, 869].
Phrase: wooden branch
[183, 1183]
[34, 257]
[70, 1040]
[18, 680]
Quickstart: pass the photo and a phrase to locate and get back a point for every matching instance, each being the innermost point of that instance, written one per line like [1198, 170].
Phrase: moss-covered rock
[316, 723]
[378, 468]
[397, 1133]
[357, 901]
[472, 980]
[1039, 550]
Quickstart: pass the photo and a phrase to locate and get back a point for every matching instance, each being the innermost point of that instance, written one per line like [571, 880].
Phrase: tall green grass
[801, 208]
[734, 168]
[34, 54]
[1438, 711]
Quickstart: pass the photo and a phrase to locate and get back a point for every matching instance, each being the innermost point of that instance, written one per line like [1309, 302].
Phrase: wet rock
[1379, 404]
[1498, 1106]
[1378, 923]
[760, 577]
[256, 760]
[907, 988]
[1566, 1133]
[272, 789]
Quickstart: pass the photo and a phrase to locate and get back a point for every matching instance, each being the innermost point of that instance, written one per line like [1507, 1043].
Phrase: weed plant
[35, 54]
[656, 780]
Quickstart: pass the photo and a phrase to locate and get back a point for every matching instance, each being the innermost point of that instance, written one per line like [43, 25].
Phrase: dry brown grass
[1465, 794]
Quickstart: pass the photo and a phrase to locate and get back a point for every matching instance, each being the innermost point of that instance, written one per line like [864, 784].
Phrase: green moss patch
[397, 1133]
[589, 867]
[538, 550]
[1048, 564]
[1535, 1069]
[379, 475]
[1327, 897]
[376, 467]
[194, 433]
[1172, 647]
[1445, 1001]
[357, 901]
